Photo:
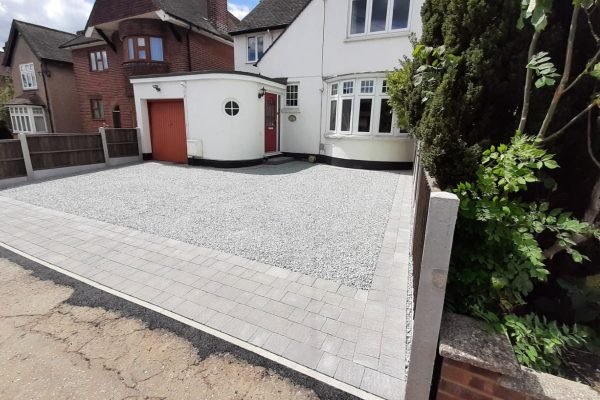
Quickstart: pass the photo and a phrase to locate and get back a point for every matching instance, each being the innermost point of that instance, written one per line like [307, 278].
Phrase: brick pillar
[217, 13]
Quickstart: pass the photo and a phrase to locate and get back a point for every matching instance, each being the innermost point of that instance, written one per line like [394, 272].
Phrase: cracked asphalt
[62, 339]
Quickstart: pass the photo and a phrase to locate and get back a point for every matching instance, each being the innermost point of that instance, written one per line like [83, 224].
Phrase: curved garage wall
[212, 134]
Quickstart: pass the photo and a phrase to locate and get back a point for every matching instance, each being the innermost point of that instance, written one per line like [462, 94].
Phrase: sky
[71, 15]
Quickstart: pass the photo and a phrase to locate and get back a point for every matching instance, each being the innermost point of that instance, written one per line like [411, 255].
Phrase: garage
[167, 131]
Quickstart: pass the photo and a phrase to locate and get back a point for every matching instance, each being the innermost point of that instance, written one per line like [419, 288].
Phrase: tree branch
[591, 25]
[562, 130]
[589, 140]
[528, 82]
[589, 65]
[565, 76]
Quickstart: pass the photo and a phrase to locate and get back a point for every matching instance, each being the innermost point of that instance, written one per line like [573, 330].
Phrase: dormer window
[378, 16]
[256, 48]
[145, 49]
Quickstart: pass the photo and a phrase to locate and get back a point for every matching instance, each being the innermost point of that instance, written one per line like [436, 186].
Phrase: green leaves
[595, 72]
[544, 69]
[536, 11]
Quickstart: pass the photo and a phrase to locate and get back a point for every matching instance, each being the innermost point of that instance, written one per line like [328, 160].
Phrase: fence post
[139, 141]
[104, 146]
[26, 155]
[439, 233]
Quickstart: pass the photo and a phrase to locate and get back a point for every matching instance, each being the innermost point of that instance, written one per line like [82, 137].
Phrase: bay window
[145, 49]
[364, 111]
[28, 119]
[378, 16]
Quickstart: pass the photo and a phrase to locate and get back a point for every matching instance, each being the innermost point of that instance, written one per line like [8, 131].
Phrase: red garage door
[167, 131]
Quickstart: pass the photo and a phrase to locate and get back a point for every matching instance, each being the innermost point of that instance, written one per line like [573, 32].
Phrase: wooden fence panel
[122, 142]
[12, 163]
[65, 150]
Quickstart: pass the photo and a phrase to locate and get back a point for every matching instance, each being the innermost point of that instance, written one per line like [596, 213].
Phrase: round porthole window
[232, 108]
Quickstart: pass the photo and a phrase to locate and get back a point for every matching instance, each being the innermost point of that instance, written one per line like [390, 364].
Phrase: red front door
[271, 117]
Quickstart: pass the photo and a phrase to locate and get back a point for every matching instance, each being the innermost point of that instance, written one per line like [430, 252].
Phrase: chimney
[217, 14]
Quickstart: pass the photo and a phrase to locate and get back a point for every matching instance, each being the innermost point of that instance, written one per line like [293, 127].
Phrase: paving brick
[295, 300]
[329, 286]
[276, 343]
[328, 364]
[314, 321]
[303, 354]
[383, 385]
[277, 308]
[332, 344]
[368, 343]
[351, 317]
[332, 312]
[346, 350]
[298, 315]
[333, 299]
[349, 372]
[260, 337]
[366, 361]
[347, 332]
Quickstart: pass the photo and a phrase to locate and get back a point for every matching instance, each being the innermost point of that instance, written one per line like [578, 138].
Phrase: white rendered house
[314, 83]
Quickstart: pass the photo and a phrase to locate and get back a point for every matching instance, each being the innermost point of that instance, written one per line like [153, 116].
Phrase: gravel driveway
[315, 219]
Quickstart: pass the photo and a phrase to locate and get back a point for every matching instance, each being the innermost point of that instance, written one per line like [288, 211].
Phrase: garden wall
[476, 364]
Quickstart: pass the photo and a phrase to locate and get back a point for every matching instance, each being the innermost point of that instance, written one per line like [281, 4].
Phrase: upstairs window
[98, 61]
[291, 96]
[28, 77]
[256, 48]
[378, 16]
[145, 49]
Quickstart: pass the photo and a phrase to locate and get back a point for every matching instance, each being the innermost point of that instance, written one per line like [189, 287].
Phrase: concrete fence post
[139, 141]
[104, 145]
[439, 234]
[26, 155]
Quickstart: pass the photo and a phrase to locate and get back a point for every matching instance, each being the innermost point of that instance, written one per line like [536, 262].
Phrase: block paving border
[354, 336]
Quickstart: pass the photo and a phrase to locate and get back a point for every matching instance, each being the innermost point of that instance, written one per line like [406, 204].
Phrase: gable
[270, 14]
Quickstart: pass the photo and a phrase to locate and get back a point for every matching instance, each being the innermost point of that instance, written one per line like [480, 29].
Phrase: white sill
[383, 35]
[401, 136]
[290, 110]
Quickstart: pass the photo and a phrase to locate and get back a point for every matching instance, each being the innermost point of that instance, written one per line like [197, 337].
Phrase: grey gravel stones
[319, 220]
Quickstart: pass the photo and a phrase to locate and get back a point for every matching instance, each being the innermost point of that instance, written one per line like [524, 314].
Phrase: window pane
[93, 60]
[379, 15]
[105, 60]
[359, 16]
[348, 88]
[291, 98]
[333, 115]
[364, 115]
[251, 49]
[385, 117]
[131, 49]
[260, 46]
[400, 14]
[27, 124]
[367, 86]
[346, 114]
[141, 42]
[156, 49]
[40, 124]
[334, 89]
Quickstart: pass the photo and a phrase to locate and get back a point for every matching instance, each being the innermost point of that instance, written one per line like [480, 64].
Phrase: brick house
[144, 37]
[43, 80]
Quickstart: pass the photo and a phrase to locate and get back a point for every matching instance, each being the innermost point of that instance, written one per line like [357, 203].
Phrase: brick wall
[113, 85]
[217, 13]
[460, 381]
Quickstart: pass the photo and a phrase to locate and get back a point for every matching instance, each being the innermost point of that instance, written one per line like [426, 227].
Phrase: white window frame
[28, 76]
[289, 101]
[23, 118]
[256, 55]
[356, 96]
[388, 22]
[97, 58]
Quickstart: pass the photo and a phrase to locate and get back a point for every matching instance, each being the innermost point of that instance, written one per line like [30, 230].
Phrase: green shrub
[497, 259]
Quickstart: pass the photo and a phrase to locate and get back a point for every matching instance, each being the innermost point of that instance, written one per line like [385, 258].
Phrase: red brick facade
[460, 381]
[112, 85]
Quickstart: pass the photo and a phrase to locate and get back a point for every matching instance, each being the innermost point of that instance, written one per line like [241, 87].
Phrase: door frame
[277, 123]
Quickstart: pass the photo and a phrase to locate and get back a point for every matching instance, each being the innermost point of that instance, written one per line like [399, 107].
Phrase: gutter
[43, 71]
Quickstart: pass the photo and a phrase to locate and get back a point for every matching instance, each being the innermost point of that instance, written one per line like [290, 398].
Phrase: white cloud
[239, 10]
[65, 15]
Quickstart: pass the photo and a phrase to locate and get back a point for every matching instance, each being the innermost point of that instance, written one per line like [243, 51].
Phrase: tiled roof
[191, 11]
[270, 14]
[44, 42]
[80, 39]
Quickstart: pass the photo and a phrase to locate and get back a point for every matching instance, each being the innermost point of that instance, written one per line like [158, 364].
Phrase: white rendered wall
[240, 45]
[211, 133]
[310, 51]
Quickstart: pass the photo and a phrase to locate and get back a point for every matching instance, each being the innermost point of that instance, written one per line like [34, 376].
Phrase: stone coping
[467, 340]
